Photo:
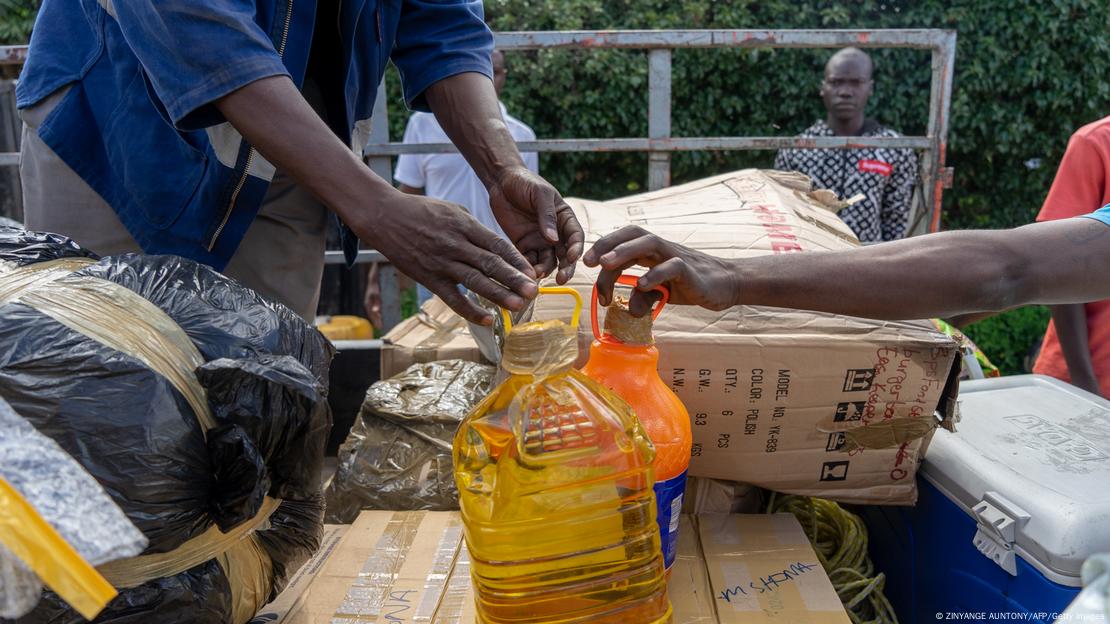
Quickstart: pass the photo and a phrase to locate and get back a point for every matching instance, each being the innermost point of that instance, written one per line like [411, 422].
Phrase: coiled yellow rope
[840, 539]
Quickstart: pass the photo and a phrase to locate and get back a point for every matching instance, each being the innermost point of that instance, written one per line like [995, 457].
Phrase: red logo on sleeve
[876, 166]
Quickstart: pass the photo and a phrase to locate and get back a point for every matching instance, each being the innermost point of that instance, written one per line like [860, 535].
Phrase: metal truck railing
[660, 144]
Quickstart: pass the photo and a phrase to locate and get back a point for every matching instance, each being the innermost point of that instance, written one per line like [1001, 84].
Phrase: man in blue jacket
[159, 125]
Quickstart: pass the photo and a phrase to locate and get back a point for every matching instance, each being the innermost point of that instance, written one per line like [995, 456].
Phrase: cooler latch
[998, 520]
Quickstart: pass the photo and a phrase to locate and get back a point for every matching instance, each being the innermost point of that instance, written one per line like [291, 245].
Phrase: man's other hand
[440, 245]
[693, 278]
[538, 221]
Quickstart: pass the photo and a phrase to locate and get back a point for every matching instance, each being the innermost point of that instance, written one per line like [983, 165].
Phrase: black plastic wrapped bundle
[198, 405]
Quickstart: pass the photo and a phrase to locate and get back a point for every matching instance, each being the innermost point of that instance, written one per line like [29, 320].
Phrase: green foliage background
[1029, 72]
[16, 19]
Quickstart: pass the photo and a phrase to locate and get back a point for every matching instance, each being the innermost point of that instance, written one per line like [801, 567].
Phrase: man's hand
[971, 271]
[693, 278]
[440, 245]
[436, 243]
[538, 221]
[530, 210]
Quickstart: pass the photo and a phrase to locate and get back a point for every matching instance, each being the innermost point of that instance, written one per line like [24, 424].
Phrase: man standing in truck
[882, 178]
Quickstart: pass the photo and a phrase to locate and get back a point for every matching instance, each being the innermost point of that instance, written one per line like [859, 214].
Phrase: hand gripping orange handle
[630, 281]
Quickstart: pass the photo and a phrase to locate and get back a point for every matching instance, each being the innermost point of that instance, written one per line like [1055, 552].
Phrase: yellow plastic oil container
[344, 327]
[555, 487]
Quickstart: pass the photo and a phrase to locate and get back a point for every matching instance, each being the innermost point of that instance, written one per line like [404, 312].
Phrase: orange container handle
[630, 281]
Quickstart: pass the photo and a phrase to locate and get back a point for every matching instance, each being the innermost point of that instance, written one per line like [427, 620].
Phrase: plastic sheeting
[67, 498]
[196, 404]
[398, 455]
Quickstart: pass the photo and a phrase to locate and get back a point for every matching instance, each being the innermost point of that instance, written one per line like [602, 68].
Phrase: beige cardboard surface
[457, 604]
[391, 567]
[436, 333]
[413, 567]
[689, 588]
[706, 495]
[278, 611]
[799, 402]
[762, 569]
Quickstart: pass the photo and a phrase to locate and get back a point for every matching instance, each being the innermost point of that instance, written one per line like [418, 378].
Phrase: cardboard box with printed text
[794, 401]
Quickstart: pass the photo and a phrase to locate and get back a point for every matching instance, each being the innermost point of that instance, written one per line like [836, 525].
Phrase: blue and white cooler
[1010, 506]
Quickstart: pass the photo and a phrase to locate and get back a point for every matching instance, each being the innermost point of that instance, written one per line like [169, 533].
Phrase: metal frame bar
[11, 55]
[667, 144]
[364, 256]
[659, 143]
[919, 38]
[936, 176]
[659, 117]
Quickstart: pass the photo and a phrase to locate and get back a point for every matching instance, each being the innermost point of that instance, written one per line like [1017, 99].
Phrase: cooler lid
[1031, 463]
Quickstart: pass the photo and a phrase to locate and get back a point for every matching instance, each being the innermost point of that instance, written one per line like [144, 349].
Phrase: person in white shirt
[447, 176]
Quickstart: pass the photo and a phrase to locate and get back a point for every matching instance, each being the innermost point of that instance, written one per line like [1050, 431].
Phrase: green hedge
[1011, 339]
[16, 19]
[1028, 73]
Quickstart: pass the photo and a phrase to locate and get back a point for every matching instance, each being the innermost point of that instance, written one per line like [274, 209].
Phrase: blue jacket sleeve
[437, 39]
[196, 51]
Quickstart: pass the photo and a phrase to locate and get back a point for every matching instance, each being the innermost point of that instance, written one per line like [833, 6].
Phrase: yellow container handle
[24, 532]
[551, 290]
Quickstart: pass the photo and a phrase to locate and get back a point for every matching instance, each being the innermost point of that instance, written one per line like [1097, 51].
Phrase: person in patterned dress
[883, 177]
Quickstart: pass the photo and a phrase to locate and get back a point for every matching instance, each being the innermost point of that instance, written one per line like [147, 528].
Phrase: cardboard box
[412, 567]
[750, 569]
[435, 333]
[394, 566]
[762, 569]
[798, 402]
[278, 611]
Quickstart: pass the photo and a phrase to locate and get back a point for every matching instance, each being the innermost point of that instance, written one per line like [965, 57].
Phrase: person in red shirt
[1076, 346]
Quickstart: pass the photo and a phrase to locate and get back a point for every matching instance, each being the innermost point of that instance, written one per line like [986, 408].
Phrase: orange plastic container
[625, 360]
